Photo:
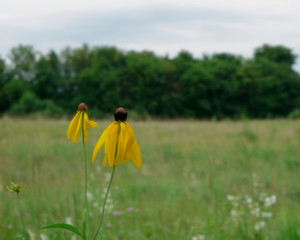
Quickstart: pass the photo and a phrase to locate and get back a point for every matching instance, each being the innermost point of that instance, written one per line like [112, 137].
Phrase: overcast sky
[163, 26]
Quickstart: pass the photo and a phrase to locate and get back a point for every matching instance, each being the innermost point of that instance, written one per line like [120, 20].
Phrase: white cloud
[164, 26]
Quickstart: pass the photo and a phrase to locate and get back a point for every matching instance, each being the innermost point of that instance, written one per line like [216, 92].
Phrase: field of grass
[219, 180]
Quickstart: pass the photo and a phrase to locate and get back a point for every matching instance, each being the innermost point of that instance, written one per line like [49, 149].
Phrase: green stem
[110, 181]
[20, 217]
[85, 178]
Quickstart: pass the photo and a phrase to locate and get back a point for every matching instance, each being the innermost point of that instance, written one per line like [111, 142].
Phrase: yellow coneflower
[15, 187]
[75, 124]
[119, 141]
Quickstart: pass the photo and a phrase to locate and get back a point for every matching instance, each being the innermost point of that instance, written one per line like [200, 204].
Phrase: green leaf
[65, 226]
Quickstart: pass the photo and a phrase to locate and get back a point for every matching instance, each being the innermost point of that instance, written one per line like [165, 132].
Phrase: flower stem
[110, 181]
[20, 217]
[85, 178]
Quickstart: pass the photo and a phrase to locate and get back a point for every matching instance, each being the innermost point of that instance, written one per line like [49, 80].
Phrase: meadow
[199, 180]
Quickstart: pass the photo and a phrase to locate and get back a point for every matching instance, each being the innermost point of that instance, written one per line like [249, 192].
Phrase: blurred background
[212, 93]
[160, 59]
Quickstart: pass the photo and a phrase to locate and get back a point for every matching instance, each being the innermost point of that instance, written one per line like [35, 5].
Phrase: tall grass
[189, 169]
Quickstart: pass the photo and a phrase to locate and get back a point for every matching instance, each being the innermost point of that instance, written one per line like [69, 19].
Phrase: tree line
[215, 86]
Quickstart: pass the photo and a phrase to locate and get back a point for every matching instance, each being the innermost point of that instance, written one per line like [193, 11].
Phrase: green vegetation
[219, 86]
[192, 174]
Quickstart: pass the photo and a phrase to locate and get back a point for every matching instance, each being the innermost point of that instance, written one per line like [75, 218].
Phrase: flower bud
[120, 114]
[82, 107]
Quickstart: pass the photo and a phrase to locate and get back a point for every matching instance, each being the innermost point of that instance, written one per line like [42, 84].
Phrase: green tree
[224, 85]
[276, 54]
[23, 62]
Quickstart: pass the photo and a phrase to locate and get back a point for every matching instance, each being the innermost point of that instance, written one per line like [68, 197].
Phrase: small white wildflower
[233, 212]
[269, 201]
[199, 237]
[262, 224]
[68, 220]
[255, 212]
[262, 197]
[73, 237]
[257, 227]
[249, 200]
[266, 214]
[273, 199]
[43, 237]
[95, 204]
[230, 198]
[90, 196]
[104, 193]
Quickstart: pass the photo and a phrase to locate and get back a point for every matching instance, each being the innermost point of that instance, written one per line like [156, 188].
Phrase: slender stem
[103, 207]
[20, 217]
[85, 178]
[110, 181]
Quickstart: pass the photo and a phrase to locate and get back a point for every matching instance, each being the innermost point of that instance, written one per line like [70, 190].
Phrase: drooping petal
[126, 158]
[105, 153]
[111, 148]
[121, 144]
[129, 137]
[77, 128]
[87, 124]
[72, 125]
[104, 136]
[92, 124]
[135, 154]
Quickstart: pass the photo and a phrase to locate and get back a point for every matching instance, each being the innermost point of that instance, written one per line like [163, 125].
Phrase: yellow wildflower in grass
[127, 147]
[15, 187]
[75, 124]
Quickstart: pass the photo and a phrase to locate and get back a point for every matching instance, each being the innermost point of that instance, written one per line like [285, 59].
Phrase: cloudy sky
[163, 26]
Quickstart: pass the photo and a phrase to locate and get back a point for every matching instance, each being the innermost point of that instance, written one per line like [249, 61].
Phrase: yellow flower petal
[87, 123]
[127, 147]
[129, 137]
[105, 155]
[126, 158]
[112, 144]
[92, 124]
[72, 125]
[104, 161]
[102, 140]
[121, 144]
[135, 155]
[77, 124]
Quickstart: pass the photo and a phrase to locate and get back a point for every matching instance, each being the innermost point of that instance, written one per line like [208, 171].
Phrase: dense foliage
[218, 86]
